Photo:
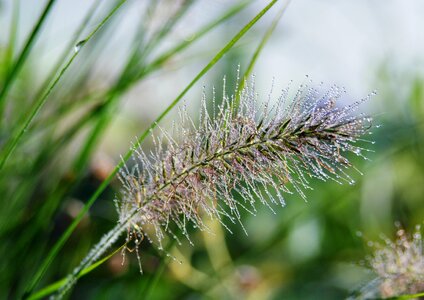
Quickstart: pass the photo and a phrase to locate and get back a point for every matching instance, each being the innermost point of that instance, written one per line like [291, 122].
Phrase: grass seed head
[240, 156]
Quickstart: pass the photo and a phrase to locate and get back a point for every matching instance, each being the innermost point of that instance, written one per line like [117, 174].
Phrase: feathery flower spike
[238, 157]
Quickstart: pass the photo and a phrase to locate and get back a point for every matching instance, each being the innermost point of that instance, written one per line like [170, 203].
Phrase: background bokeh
[307, 250]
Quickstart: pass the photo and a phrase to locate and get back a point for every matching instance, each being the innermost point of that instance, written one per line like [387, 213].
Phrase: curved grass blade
[11, 145]
[59, 244]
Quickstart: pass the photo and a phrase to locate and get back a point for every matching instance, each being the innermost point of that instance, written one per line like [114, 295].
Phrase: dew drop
[79, 45]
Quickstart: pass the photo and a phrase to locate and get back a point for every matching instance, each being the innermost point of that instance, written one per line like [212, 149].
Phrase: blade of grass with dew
[108, 107]
[11, 145]
[78, 77]
[69, 47]
[55, 286]
[49, 147]
[14, 70]
[64, 237]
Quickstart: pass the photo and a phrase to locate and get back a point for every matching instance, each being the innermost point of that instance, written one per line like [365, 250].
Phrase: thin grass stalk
[41, 294]
[69, 47]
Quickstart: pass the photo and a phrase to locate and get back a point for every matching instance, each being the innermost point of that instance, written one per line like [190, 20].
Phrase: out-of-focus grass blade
[184, 44]
[166, 29]
[58, 284]
[11, 145]
[64, 237]
[70, 45]
[12, 36]
[11, 74]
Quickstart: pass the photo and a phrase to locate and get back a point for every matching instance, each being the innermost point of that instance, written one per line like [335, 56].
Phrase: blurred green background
[125, 76]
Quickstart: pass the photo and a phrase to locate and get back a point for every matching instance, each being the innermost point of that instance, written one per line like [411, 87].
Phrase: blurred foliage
[308, 250]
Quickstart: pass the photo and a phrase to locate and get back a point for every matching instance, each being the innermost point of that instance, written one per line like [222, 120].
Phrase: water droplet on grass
[79, 45]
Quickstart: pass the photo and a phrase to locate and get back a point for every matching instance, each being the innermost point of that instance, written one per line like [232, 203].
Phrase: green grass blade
[184, 44]
[12, 36]
[24, 54]
[64, 237]
[258, 50]
[69, 46]
[11, 145]
[58, 284]
[169, 25]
